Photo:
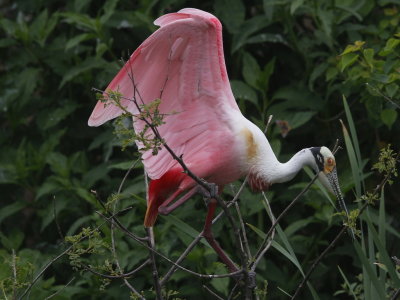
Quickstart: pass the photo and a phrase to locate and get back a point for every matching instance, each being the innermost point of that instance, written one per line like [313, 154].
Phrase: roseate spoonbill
[182, 63]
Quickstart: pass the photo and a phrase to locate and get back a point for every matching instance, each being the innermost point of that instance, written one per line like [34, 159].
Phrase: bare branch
[44, 270]
[54, 294]
[270, 235]
[139, 241]
[258, 255]
[317, 261]
[119, 276]
[156, 278]
[212, 292]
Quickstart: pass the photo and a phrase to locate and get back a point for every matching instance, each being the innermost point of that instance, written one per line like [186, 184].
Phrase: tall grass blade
[353, 160]
[379, 286]
[346, 281]
[384, 256]
[354, 137]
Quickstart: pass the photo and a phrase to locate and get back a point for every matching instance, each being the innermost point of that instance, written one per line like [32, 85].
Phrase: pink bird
[182, 63]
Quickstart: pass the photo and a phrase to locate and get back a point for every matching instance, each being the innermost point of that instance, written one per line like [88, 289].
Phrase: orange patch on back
[250, 143]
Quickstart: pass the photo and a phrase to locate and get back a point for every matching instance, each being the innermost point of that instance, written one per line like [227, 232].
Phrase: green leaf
[259, 232]
[87, 65]
[27, 82]
[231, 12]
[13, 241]
[317, 72]
[391, 44]
[109, 9]
[50, 186]
[353, 160]
[248, 28]
[48, 120]
[347, 60]
[267, 38]
[126, 165]
[186, 228]
[9, 26]
[242, 91]
[251, 69]
[379, 286]
[388, 117]
[58, 164]
[369, 57]
[266, 74]
[11, 209]
[43, 26]
[384, 255]
[353, 48]
[76, 40]
[220, 284]
[81, 20]
[295, 5]
[7, 42]
[391, 89]
[331, 73]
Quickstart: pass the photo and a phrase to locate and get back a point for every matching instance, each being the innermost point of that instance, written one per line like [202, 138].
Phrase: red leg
[165, 210]
[207, 233]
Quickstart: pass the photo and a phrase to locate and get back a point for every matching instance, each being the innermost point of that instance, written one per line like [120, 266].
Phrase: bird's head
[325, 167]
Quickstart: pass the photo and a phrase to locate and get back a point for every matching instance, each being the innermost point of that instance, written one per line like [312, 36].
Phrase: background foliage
[293, 59]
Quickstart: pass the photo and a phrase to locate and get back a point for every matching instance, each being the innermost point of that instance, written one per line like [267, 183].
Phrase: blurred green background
[292, 59]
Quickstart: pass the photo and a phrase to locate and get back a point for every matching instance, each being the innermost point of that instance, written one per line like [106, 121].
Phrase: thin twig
[260, 250]
[156, 278]
[44, 270]
[317, 261]
[180, 259]
[56, 219]
[119, 276]
[231, 294]
[114, 218]
[198, 238]
[151, 244]
[139, 241]
[243, 230]
[395, 295]
[383, 95]
[14, 269]
[126, 175]
[271, 235]
[58, 291]
[212, 292]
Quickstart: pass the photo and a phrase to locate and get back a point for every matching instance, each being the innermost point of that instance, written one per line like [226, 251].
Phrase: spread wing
[182, 63]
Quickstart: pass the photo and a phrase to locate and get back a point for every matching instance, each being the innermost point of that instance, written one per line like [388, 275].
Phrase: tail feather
[160, 190]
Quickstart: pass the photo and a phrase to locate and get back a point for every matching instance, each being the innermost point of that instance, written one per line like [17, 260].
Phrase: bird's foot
[210, 192]
[251, 278]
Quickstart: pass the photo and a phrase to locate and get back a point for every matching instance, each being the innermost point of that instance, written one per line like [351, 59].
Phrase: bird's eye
[330, 161]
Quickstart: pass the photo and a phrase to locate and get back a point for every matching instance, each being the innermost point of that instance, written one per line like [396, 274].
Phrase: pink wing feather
[184, 59]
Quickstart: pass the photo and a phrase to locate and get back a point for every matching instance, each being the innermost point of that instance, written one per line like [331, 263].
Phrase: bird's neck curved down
[271, 171]
[286, 171]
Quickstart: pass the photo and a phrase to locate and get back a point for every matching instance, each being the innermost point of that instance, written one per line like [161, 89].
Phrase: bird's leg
[207, 233]
[164, 209]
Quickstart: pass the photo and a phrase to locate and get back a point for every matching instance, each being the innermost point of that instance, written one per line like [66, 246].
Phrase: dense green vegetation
[308, 63]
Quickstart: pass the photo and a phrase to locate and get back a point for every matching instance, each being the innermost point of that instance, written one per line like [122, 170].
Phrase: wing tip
[185, 13]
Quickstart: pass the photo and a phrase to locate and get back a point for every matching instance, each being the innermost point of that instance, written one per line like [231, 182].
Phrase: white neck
[264, 168]
[270, 170]
[286, 171]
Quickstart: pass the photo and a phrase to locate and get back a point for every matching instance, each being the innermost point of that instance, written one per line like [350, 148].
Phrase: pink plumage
[184, 59]
[182, 64]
